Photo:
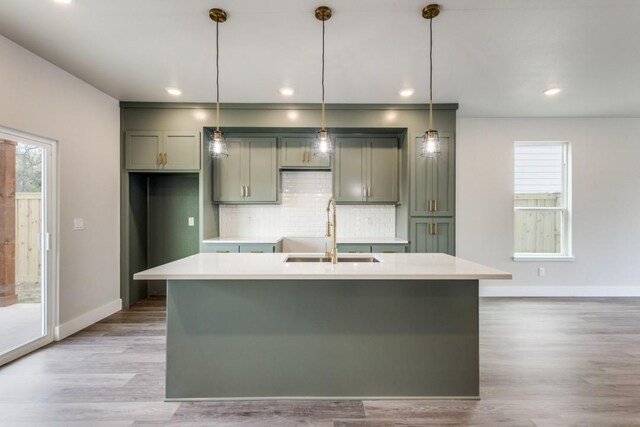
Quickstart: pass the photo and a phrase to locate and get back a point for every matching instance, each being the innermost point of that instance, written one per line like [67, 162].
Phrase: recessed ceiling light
[406, 92]
[552, 91]
[287, 91]
[63, 1]
[173, 91]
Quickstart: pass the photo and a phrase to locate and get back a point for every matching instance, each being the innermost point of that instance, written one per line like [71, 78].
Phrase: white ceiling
[493, 57]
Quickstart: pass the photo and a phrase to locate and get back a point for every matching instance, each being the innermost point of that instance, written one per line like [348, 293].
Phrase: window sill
[544, 258]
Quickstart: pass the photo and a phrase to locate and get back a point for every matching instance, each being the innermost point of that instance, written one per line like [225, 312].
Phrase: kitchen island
[283, 326]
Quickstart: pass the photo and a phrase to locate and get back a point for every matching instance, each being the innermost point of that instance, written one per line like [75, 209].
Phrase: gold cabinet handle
[435, 228]
[429, 206]
[165, 159]
[368, 191]
[257, 252]
[435, 207]
[246, 191]
[242, 191]
[222, 252]
[159, 159]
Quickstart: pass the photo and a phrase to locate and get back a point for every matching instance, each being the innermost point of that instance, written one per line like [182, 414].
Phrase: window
[542, 201]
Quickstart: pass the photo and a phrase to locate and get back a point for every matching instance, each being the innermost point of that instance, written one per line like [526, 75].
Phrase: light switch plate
[541, 272]
[192, 221]
[78, 223]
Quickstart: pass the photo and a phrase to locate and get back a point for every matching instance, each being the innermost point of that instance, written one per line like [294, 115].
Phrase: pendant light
[217, 143]
[431, 140]
[323, 147]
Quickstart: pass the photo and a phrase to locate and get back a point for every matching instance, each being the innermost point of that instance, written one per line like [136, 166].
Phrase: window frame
[566, 250]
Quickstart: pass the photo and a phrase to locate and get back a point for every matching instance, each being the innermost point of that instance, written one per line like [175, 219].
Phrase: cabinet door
[443, 170]
[293, 152]
[227, 174]
[220, 248]
[142, 149]
[432, 180]
[432, 235]
[382, 170]
[350, 170]
[443, 238]
[181, 150]
[353, 249]
[257, 248]
[316, 162]
[260, 167]
[388, 248]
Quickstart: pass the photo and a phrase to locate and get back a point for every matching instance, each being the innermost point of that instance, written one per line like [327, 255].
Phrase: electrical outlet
[541, 272]
[78, 223]
[192, 221]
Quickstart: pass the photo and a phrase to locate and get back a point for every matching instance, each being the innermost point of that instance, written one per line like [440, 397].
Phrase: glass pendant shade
[430, 144]
[323, 147]
[218, 145]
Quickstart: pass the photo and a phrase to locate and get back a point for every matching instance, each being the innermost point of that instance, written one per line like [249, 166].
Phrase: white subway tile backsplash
[302, 213]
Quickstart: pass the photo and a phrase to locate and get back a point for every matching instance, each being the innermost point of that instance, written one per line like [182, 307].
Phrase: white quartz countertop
[272, 266]
[240, 240]
[274, 240]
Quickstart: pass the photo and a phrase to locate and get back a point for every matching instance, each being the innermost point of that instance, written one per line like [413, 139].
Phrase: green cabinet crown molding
[283, 106]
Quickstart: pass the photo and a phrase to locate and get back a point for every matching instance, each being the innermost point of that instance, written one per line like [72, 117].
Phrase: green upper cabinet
[435, 235]
[249, 174]
[297, 153]
[159, 151]
[433, 180]
[366, 170]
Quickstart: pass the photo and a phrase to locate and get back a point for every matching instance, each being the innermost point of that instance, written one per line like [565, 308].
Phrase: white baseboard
[87, 319]
[558, 291]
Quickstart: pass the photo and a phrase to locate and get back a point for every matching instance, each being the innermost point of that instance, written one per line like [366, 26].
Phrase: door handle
[435, 207]
[159, 159]
[246, 191]
[166, 157]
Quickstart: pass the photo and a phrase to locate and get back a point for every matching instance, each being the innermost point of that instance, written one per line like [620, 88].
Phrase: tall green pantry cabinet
[432, 207]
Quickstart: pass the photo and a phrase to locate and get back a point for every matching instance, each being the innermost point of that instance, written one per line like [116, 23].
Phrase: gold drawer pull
[257, 252]
[222, 252]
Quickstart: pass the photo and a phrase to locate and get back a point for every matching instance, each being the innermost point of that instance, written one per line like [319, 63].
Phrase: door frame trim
[51, 181]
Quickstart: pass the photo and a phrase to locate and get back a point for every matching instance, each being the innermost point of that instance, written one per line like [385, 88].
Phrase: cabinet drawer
[389, 248]
[353, 249]
[221, 248]
[257, 248]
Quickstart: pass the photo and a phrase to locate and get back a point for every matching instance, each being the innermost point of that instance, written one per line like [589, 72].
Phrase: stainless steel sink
[327, 259]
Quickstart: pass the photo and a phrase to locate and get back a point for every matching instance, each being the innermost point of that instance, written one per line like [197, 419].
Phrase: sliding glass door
[27, 218]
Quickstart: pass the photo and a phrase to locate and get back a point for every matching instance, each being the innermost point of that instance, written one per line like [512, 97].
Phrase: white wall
[40, 98]
[606, 204]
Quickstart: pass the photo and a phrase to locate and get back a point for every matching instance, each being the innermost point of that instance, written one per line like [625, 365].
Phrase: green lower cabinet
[362, 248]
[223, 248]
[259, 248]
[388, 248]
[353, 249]
[435, 235]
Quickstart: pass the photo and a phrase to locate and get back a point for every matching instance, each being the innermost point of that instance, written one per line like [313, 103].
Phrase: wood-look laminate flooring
[544, 362]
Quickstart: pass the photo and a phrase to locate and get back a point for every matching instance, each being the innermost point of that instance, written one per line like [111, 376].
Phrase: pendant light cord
[323, 120]
[217, 79]
[431, 74]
